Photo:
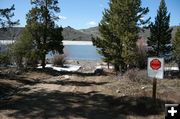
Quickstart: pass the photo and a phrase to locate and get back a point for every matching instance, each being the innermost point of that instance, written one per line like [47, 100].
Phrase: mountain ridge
[71, 34]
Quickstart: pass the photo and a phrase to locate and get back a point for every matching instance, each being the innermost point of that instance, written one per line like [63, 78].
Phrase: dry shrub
[137, 75]
[141, 54]
[59, 60]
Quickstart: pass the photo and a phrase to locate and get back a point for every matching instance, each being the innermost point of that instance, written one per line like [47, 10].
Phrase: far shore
[65, 42]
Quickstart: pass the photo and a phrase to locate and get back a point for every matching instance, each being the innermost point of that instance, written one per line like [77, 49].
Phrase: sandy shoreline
[86, 65]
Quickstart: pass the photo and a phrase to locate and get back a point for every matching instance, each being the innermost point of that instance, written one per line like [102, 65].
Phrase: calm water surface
[80, 52]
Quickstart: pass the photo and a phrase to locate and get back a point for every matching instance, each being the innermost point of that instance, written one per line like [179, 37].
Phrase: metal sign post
[155, 71]
[154, 89]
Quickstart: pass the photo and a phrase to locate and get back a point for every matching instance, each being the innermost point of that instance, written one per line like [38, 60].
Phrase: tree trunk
[43, 63]
[116, 68]
[45, 35]
[108, 64]
[18, 61]
[124, 68]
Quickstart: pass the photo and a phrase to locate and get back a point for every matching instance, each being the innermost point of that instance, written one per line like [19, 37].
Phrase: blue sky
[82, 14]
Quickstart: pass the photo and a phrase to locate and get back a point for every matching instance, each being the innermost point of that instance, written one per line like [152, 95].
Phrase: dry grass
[137, 75]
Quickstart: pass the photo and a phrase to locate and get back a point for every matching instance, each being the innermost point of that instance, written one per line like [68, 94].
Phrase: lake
[79, 50]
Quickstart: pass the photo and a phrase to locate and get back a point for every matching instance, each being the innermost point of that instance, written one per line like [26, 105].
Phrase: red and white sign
[155, 64]
[156, 67]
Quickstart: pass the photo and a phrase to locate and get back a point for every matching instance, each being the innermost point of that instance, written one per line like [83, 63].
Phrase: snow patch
[67, 67]
[171, 68]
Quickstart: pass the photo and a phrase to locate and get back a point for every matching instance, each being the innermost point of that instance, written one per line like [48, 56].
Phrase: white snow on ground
[6, 42]
[67, 67]
[104, 67]
[77, 43]
[171, 69]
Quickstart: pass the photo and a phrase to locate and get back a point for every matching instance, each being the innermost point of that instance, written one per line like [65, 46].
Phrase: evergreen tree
[176, 46]
[41, 24]
[160, 33]
[5, 17]
[119, 30]
[104, 43]
[23, 48]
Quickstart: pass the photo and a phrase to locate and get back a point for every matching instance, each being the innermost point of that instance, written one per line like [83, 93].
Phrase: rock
[143, 88]
[118, 91]
[66, 76]
[63, 77]
[18, 72]
[98, 72]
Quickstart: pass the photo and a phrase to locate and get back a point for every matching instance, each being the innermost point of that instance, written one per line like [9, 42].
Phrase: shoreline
[77, 42]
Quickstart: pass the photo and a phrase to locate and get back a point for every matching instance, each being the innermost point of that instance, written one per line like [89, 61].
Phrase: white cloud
[92, 23]
[62, 17]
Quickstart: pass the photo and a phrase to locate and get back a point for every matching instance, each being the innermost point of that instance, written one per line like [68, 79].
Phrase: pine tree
[104, 43]
[23, 49]
[119, 30]
[6, 17]
[41, 24]
[160, 33]
[176, 46]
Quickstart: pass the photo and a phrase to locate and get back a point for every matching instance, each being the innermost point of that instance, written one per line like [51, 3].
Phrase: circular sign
[155, 64]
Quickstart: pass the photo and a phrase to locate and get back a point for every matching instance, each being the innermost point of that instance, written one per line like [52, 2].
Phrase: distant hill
[10, 33]
[70, 33]
[144, 33]
[93, 31]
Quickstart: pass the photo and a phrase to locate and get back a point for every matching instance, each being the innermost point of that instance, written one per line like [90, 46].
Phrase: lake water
[75, 50]
[84, 51]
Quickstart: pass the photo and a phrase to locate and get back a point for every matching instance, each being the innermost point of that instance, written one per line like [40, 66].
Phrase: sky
[82, 14]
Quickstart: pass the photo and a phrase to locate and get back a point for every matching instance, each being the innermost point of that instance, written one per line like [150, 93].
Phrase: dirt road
[45, 96]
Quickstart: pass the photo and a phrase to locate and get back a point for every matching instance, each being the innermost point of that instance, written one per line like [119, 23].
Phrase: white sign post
[155, 70]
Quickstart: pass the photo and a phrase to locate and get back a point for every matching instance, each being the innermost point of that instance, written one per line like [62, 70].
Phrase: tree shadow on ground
[92, 105]
[22, 79]
[52, 72]
[8, 76]
[6, 90]
[75, 83]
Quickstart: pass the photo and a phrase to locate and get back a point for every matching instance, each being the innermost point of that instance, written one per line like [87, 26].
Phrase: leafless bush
[59, 60]
[137, 75]
[141, 54]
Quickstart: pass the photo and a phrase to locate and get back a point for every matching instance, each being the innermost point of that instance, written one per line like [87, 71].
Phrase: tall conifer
[46, 34]
[176, 46]
[119, 30]
[160, 33]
